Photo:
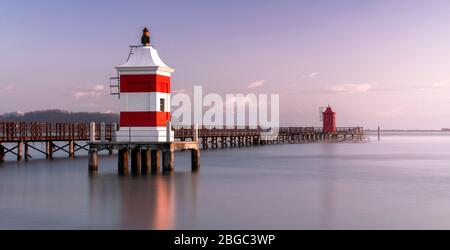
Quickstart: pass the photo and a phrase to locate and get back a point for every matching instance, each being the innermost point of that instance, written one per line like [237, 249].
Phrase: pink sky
[380, 63]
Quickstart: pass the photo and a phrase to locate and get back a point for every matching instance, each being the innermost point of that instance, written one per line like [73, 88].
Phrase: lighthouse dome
[142, 58]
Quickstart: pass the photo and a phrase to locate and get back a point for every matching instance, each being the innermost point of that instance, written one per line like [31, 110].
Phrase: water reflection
[144, 202]
[394, 184]
[327, 189]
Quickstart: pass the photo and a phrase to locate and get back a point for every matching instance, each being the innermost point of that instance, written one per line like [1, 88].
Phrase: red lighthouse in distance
[329, 120]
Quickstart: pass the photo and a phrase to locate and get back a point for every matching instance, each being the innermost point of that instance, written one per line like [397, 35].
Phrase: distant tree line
[60, 116]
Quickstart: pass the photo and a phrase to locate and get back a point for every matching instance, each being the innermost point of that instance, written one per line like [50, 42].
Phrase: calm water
[402, 182]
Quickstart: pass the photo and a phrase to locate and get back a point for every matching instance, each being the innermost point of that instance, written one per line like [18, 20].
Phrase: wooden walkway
[240, 137]
[18, 138]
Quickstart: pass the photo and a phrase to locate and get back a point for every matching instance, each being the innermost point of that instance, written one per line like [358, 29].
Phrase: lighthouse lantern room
[144, 91]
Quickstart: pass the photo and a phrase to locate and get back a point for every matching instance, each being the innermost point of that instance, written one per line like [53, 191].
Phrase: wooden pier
[18, 138]
[241, 137]
[23, 136]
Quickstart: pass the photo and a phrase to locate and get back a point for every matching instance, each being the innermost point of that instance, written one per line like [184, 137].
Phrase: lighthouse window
[162, 105]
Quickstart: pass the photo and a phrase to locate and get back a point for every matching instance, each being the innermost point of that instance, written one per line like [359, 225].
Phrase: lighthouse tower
[329, 120]
[144, 92]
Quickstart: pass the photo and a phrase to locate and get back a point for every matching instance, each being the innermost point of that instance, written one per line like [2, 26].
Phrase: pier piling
[19, 151]
[136, 161]
[378, 133]
[155, 161]
[168, 161]
[93, 159]
[2, 153]
[49, 149]
[123, 161]
[27, 152]
[71, 149]
[146, 161]
[195, 160]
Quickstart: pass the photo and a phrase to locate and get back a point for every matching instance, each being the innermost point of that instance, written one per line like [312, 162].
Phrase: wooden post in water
[19, 151]
[146, 161]
[123, 161]
[2, 153]
[168, 160]
[378, 133]
[71, 149]
[49, 149]
[155, 161]
[136, 161]
[93, 159]
[195, 160]
[27, 152]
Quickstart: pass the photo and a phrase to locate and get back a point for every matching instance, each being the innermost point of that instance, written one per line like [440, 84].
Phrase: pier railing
[41, 131]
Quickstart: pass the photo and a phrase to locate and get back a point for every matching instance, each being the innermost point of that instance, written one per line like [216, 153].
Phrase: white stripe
[143, 129]
[159, 135]
[143, 71]
[145, 101]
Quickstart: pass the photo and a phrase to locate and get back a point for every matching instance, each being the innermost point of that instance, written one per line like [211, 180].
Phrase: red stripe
[144, 119]
[144, 83]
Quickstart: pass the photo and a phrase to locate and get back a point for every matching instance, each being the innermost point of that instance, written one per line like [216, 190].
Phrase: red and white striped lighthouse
[144, 92]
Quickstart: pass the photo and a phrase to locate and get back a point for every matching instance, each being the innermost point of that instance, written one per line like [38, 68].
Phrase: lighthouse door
[162, 105]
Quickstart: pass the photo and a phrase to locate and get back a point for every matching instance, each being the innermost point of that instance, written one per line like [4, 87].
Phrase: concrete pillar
[146, 161]
[71, 149]
[155, 161]
[2, 153]
[19, 151]
[92, 132]
[136, 161]
[123, 161]
[168, 161]
[195, 160]
[93, 159]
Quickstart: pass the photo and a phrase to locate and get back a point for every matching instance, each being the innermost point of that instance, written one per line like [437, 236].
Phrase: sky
[376, 63]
